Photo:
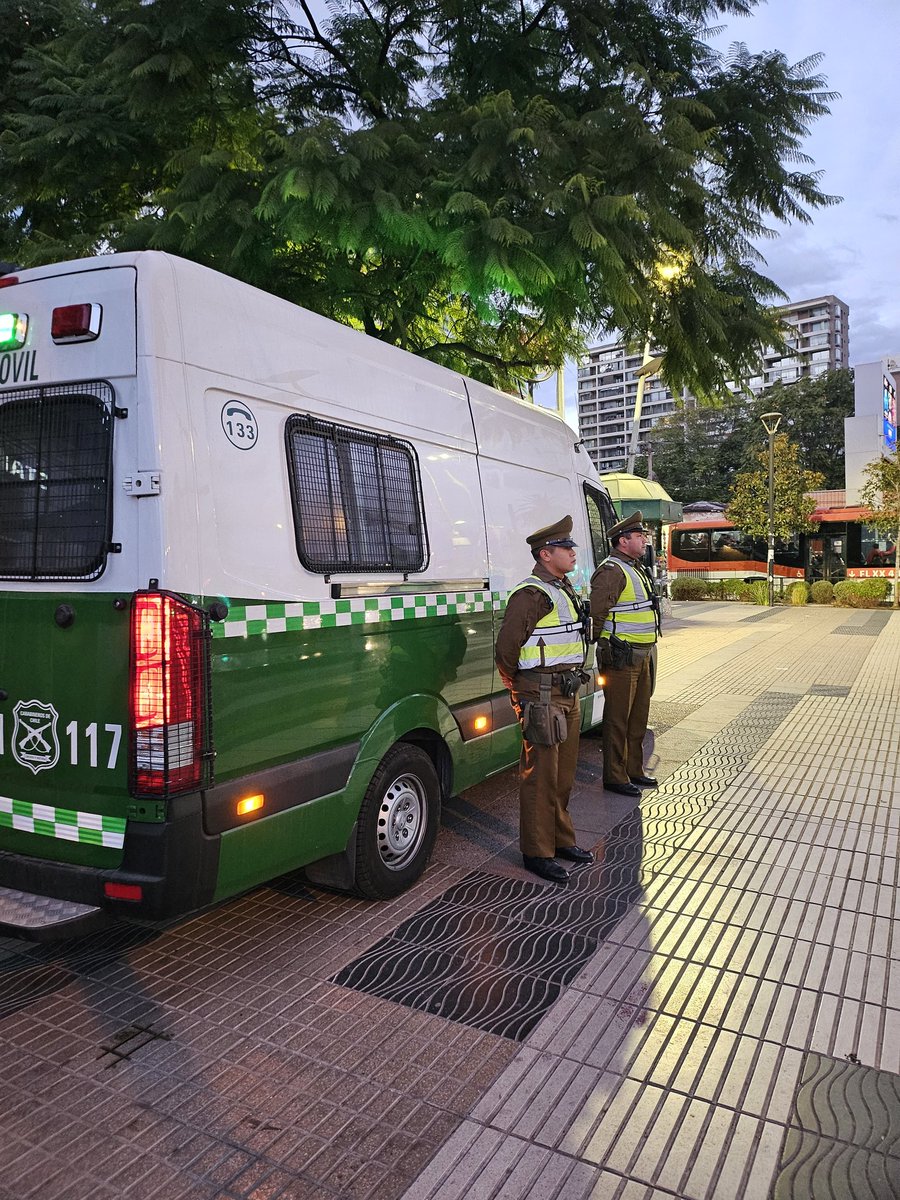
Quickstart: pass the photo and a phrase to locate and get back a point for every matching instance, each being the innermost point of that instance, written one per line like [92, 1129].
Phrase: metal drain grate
[843, 1135]
[492, 953]
[495, 953]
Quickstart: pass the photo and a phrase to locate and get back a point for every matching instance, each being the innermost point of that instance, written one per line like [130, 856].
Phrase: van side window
[357, 499]
[55, 481]
[601, 515]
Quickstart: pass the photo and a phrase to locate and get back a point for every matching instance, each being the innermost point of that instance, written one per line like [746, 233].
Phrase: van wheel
[398, 823]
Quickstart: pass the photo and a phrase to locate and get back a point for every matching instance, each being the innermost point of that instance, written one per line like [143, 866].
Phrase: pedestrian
[625, 615]
[540, 654]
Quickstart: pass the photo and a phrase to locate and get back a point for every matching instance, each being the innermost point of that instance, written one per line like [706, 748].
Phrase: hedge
[688, 588]
[860, 593]
[822, 591]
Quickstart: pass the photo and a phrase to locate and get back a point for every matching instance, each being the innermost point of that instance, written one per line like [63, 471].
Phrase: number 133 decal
[239, 425]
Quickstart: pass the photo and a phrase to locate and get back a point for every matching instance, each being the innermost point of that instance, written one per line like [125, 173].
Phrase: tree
[880, 493]
[479, 181]
[695, 456]
[793, 508]
[697, 452]
[813, 413]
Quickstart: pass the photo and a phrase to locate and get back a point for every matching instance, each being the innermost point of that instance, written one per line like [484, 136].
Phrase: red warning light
[76, 323]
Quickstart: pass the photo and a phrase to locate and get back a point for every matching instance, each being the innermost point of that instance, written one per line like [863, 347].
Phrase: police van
[252, 565]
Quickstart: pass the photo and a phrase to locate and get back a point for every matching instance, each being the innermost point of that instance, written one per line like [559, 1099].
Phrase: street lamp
[771, 421]
[649, 366]
[665, 273]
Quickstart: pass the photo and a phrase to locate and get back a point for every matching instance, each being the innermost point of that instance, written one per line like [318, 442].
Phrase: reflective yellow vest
[557, 638]
[632, 617]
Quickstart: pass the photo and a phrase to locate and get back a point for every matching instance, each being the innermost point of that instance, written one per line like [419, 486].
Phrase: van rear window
[55, 476]
[357, 499]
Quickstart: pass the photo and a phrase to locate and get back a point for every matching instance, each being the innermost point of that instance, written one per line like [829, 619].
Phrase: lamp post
[771, 421]
[671, 265]
[649, 366]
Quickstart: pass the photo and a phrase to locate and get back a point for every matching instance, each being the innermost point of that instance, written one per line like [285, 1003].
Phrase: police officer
[540, 653]
[625, 618]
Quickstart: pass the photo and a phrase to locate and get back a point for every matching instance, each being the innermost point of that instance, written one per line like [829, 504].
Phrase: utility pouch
[543, 722]
[620, 653]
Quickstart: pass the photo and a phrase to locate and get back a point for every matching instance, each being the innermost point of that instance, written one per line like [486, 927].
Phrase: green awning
[629, 492]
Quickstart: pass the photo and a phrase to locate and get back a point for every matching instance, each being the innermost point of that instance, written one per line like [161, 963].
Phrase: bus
[842, 547]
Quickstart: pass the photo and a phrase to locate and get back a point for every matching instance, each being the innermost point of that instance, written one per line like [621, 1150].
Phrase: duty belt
[553, 676]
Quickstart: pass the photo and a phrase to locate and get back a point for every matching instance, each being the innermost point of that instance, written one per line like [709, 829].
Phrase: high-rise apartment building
[819, 341]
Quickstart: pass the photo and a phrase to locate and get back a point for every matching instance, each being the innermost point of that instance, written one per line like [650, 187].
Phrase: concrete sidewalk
[737, 1032]
[711, 1009]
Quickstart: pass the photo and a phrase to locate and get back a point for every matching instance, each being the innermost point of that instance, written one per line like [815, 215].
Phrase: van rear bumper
[174, 863]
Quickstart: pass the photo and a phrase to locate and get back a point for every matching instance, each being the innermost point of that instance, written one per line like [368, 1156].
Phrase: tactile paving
[871, 627]
[844, 1134]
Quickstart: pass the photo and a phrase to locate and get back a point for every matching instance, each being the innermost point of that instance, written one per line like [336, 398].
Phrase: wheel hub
[401, 821]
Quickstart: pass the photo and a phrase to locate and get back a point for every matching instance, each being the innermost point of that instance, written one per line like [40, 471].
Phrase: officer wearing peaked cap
[625, 616]
[540, 655]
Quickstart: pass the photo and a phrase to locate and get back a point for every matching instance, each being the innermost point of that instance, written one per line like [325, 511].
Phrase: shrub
[874, 589]
[854, 601]
[860, 593]
[731, 589]
[685, 587]
[822, 591]
[756, 592]
[798, 593]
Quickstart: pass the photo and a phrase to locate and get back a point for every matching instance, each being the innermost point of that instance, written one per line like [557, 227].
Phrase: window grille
[357, 499]
[55, 481]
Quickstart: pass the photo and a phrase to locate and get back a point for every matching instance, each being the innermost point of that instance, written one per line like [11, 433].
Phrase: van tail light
[171, 743]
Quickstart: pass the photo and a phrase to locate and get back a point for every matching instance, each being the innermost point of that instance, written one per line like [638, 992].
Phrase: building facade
[819, 341]
[872, 430]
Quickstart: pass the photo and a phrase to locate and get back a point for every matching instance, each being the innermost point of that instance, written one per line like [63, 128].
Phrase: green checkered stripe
[65, 823]
[250, 620]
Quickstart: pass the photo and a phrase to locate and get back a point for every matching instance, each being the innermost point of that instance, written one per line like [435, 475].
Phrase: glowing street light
[667, 270]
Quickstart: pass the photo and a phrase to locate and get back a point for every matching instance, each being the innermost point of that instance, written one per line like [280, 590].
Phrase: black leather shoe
[546, 868]
[644, 780]
[574, 854]
[624, 789]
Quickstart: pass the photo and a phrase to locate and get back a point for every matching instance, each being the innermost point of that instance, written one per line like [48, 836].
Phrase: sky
[851, 250]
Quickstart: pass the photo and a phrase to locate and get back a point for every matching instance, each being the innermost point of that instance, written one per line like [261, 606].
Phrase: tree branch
[494, 360]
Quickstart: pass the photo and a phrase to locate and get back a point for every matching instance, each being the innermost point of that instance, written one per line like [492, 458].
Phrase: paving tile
[734, 947]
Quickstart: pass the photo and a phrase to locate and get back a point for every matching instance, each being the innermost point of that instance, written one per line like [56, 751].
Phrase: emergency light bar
[76, 323]
[13, 330]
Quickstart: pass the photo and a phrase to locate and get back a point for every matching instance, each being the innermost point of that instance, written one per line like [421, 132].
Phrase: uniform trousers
[546, 776]
[626, 711]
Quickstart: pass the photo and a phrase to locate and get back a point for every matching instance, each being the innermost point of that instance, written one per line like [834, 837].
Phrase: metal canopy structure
[629, 492]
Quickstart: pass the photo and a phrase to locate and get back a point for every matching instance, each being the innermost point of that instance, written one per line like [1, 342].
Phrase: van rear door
[67, 380]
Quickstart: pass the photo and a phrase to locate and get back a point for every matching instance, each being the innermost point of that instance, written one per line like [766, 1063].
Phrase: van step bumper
[43, 917]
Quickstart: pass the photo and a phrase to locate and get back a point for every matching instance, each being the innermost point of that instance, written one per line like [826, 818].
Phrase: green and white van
[252, 564]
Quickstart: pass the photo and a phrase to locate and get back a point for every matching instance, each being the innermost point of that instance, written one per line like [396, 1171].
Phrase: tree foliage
[880, 494]
[793, 506]
[813, 412]
[698, 452]
[479, 181]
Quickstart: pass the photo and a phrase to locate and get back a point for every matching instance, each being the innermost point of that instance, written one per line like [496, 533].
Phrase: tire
[398, 823]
